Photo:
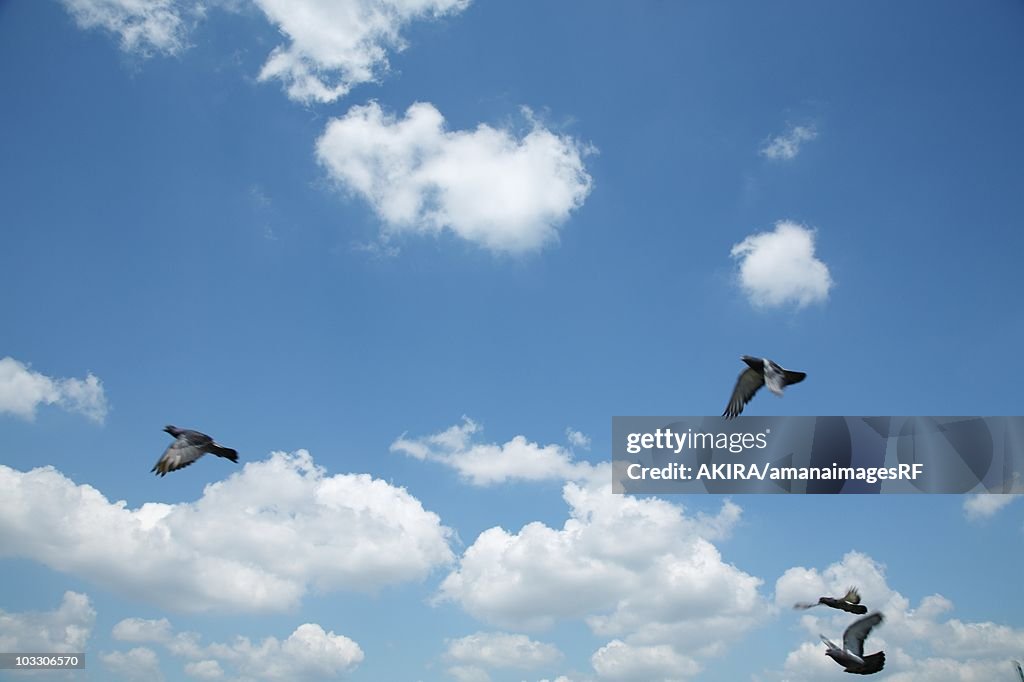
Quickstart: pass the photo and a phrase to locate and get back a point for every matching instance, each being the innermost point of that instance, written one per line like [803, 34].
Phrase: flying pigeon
[1020, 673]
[761, 371]
[187, 447]
[850, 602]
[851, 655]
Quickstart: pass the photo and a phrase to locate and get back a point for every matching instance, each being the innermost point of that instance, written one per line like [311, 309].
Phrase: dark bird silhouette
[1020, 672]
[188, 446]
[851, 655]
[760, 372]
[849, 602]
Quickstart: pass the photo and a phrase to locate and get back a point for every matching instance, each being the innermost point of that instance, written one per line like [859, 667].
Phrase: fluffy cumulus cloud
[490, 463]
[143, 26]
[920, 642]
[308, 653]
[786, 146]
[64, 630]
[620, 661]
[335, 45]
[477, 652]
[22, 391]
[978, 507]
[256, 541]
[140, 664]
[638, 571]
[489, 186]
[779, 267]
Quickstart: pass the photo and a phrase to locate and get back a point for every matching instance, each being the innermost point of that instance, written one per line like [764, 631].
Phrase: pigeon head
[173, 430]
[754, 363]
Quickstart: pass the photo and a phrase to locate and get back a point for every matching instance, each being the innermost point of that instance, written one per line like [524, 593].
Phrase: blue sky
[409, 258]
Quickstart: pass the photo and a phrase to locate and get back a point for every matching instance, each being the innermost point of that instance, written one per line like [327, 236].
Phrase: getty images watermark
[818, 455]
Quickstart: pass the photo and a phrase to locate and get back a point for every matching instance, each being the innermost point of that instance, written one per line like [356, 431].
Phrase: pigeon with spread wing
[849, 602]
[851, 654]
[760, 372]
[188, 446]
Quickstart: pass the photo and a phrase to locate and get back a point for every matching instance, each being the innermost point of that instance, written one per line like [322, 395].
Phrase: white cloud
[468, 673]
[256, 541]
[337, 44]
[22, 391]
[489, 463]
[978, 507]
[950, 670]
[205, 670]
[634, 569]
[487, 186]
[65, 630]
[577, 439]
[144, 26]
[779, 267]
[333, 45]
[620, 661]
[309, 653]
[501, 650]
[136, 665]
[919, 643]
[786, 146]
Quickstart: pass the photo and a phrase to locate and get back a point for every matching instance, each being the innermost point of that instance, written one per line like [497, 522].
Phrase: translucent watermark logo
[818, 455]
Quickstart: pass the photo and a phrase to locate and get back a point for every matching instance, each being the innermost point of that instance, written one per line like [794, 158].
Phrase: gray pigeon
[851, 655]
[188, 446]
[760, 372]
[1020, 673]
[849, 602]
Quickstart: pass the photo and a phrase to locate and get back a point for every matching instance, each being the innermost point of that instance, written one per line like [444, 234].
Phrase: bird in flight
[849, 602]
[759, 372]
[188, 446]
[851, 655]
[1020, 672]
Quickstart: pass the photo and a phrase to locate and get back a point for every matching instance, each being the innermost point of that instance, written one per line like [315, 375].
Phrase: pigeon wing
[207, 444]
[853, 638]
[1020, 673]
[178, 455]
[747, 385]
[852, 596]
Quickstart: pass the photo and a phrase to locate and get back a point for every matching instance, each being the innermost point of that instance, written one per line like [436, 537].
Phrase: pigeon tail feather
[224, 452]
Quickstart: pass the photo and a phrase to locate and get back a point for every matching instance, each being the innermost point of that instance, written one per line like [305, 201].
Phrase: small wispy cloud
[978, 507]
[263, 210]
[779, 267]
[486, 464]
[577, 439]
[144, 28]
[22, 391]
[786, 146]
[485, 650]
